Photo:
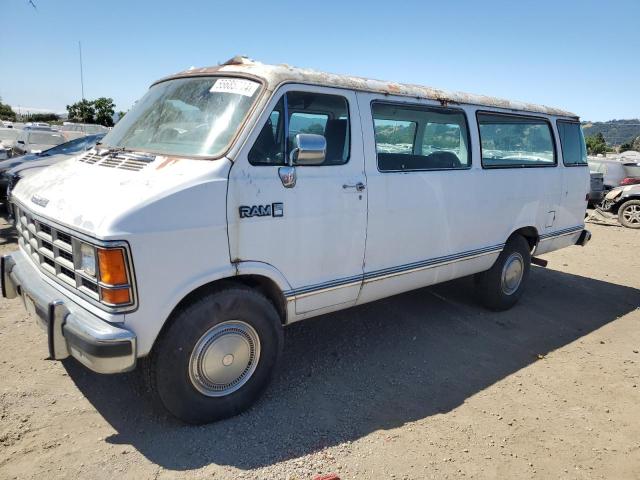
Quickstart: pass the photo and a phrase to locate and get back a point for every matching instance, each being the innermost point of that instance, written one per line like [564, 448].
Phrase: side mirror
[310, 149]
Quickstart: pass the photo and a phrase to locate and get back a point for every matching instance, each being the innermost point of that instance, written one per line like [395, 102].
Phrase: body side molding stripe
[390, 272]
[560, 233]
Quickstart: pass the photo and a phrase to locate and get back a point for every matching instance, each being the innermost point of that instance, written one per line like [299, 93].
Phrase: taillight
[630, 181]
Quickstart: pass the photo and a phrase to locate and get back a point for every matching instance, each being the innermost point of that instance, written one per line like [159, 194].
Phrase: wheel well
[530, 234]
[264, 285]
[623, 201]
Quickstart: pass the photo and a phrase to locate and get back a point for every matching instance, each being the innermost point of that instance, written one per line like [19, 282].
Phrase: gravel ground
[423, 385]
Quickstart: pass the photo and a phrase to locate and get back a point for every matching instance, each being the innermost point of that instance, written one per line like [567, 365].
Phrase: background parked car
[11, 171]
[624, 202]
[8, 137]
[76, 130]
[32, 140]
[616, 171]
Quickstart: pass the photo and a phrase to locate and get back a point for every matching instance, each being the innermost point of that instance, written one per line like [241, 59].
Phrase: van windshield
[186, 116]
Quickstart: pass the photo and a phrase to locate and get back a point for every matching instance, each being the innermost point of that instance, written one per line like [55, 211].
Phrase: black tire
[629, 214]
[493, 291]
[169, 370]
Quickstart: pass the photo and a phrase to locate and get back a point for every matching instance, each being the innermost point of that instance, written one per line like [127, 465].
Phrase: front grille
[121, 160]
[53, 251]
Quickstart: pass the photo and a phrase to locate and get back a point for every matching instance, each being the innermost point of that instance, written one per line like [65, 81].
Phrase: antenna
[81, 77]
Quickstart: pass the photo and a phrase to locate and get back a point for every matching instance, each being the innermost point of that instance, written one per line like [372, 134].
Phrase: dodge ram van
[234, 200]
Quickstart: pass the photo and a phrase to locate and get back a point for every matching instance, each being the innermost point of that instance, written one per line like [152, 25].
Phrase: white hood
[96, 199]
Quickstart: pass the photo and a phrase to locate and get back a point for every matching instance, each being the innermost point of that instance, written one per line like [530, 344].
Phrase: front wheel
[217, 355]
[500, 287]
[629, 214]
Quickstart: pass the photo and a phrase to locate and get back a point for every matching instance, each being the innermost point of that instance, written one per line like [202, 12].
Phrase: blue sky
[578, 55]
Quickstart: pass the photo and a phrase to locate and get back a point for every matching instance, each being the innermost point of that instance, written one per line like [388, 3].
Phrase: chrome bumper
[71, 330]
[584, 238]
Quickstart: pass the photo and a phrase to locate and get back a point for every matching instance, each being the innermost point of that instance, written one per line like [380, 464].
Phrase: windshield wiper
[108, 150]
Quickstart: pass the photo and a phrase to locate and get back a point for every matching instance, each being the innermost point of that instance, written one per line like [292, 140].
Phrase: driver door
[313, 232]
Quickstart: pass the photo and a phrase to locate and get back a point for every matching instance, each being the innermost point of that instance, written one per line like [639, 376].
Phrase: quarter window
[574, 151]
[316, 113]
[514, 141]
[413, 137]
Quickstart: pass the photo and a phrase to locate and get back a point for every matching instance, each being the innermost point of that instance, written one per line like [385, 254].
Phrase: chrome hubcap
[512, 273]
[224, 358]
[632, 214]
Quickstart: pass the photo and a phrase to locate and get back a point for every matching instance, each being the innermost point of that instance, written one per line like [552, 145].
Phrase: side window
[395, 136]
[413, 137]
[316, 113]
[274, 117]
[515, 141]
[302, 122]
[574, 151]
[321, 114]
[268, 148]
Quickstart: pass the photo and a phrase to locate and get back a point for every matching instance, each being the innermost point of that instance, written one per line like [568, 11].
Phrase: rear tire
[217, 356]
[500, 287]
[629, 214]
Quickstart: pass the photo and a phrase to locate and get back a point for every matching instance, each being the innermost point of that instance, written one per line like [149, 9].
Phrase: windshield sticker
[235, 85]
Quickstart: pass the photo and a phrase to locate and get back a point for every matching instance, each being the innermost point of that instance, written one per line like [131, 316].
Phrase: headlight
[88, 259]
[115, 288]
[109, 267]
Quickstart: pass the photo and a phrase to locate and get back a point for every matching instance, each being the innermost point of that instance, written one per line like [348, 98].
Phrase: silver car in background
[35, 141]
[8, 137]
[616, 171]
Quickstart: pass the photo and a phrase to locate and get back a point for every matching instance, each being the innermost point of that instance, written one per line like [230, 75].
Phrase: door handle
[358, 186]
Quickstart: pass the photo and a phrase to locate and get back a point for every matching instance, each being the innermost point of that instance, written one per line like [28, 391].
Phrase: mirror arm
[292, 155]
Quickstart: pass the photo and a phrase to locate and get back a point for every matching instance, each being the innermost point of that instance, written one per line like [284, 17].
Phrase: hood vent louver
[122, 160]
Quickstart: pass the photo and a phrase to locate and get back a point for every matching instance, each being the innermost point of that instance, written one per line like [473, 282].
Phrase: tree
[626, 146]
[98, 111]
[82, 111]
[596, 144]
[636, 144]
[105, 108]
[43, 117]
[6, 112]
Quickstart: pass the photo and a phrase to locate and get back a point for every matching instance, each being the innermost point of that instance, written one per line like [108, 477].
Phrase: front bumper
[71, 330]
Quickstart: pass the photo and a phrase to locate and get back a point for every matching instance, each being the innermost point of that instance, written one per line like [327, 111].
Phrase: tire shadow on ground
[377, 366]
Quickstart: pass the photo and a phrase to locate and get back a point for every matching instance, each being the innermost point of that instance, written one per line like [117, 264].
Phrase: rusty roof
[275, 75]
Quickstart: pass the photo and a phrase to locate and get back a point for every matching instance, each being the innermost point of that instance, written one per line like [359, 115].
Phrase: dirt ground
[422, 385]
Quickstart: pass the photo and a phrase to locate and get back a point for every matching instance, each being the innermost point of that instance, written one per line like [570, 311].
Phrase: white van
[234, 200]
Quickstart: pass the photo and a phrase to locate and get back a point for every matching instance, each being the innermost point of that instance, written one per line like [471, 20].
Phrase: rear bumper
[71, 330]
[584, 238]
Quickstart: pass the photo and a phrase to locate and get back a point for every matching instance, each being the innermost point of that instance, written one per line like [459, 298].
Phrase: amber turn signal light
[117, 296]
[113, 269]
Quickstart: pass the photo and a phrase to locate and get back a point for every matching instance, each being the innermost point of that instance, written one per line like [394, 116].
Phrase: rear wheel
[629, 214]
[217, 356]
[500, 287]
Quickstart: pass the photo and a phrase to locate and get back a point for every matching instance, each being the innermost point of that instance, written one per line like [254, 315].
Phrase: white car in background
[8, 137]
[36, 140]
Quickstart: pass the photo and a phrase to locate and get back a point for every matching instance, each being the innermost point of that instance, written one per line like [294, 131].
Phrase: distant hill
[616, 132]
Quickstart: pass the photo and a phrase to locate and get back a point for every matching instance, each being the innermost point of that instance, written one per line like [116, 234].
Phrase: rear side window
[414, 138]
[317, 113]
[574, 151]
[510, 141]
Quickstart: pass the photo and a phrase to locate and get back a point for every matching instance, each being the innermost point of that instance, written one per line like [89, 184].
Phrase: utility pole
[81, 77]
